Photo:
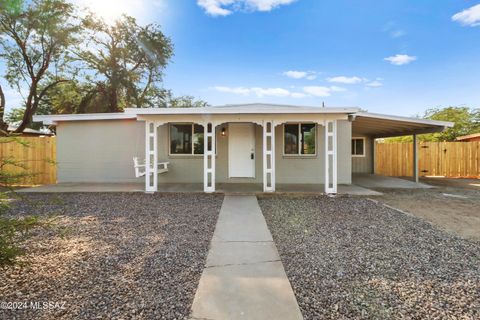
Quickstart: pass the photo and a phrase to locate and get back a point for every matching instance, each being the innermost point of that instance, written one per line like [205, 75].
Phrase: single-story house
[249, 143]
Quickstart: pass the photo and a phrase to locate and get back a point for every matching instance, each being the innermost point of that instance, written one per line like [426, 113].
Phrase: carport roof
[383, 126]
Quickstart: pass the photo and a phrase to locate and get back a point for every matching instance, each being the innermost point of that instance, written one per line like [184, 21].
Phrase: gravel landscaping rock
[112, 255]
[350, 257]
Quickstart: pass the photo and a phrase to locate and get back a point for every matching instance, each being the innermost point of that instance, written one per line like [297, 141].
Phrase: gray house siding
[364, 164]
[102, 151]
[99, 151]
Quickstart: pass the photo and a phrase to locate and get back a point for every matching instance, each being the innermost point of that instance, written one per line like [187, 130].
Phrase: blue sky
[395, 57]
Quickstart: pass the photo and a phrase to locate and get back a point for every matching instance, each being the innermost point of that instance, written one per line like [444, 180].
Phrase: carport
[375, 126]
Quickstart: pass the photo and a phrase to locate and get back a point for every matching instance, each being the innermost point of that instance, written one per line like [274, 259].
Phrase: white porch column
[268, 156]
[415, 158]
[151, 157]
[209, 157]
[331, 156]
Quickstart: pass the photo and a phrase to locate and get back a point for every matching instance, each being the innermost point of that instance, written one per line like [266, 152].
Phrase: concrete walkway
[244, 277]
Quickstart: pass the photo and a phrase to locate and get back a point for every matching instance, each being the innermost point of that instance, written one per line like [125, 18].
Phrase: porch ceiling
[382, 126]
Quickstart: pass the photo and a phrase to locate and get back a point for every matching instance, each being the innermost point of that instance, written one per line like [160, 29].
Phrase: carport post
[415, 158]
[373, 155]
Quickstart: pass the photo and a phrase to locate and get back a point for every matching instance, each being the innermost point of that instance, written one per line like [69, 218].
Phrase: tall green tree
[36, 37]
[127, 61]
[186, 101]
[467, 121]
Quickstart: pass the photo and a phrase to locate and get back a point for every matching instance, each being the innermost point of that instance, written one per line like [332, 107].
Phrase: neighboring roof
[382, 125]
[469, 136]
[12, 128]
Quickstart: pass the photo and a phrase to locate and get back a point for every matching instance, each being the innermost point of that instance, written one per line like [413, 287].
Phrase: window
[358, 147]
[186, 139]
[299, 139]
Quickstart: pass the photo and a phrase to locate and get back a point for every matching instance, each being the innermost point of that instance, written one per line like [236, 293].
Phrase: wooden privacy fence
[37, 157]
[449, 159]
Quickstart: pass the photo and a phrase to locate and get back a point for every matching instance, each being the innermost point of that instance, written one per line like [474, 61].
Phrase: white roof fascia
[405, 119]
[54, 118]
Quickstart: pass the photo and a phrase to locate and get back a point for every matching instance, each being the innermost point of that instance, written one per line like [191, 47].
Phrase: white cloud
[400, 59]
[227, 7]
[295, 74]
[315, 91]
[214, 7]
[309, 75]
[298, 95]
[337, 89]
[345, 80]
[270, 92]
[374, 84]
[258, 91]
[318, 91]
[235, 90]
[468, 17]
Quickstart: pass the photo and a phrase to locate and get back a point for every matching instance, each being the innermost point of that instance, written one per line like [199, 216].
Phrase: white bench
[162, 167]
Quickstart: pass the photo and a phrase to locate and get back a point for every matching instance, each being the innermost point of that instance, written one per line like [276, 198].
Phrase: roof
[469, 136]
[382, 125]
[363, 123]
[12, 128]
[54, 118]
[252, 108]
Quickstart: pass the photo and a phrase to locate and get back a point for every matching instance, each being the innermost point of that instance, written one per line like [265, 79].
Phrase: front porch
[222, 188]
[257, 161]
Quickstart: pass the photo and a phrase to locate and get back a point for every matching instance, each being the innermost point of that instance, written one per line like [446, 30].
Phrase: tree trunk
[3, 124]
[30, 108]
[113, 98]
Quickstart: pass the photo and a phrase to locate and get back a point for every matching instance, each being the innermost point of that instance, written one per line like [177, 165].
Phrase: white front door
[241, 150]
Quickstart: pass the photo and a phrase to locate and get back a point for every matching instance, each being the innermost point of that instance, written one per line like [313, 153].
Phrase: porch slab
[86, 187]
[226, 188]
[376, 181]
[244, 277]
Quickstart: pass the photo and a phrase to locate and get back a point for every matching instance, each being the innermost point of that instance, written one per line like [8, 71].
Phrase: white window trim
[299, 154]
[169, 144]
[364, 147]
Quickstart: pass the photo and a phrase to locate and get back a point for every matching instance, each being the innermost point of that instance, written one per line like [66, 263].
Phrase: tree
[467, 121]
[129, 59]
[170, 101]
[3, 125]
[13, 231]
[36, 36]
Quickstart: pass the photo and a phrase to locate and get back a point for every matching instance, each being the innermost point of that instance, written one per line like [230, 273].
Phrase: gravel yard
[112, 255]
[350, 257]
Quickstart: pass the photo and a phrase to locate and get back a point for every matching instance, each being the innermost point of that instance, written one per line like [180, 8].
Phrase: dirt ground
[454, 205]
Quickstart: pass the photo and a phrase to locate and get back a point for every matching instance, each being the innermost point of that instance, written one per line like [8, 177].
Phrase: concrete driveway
[367, 180]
